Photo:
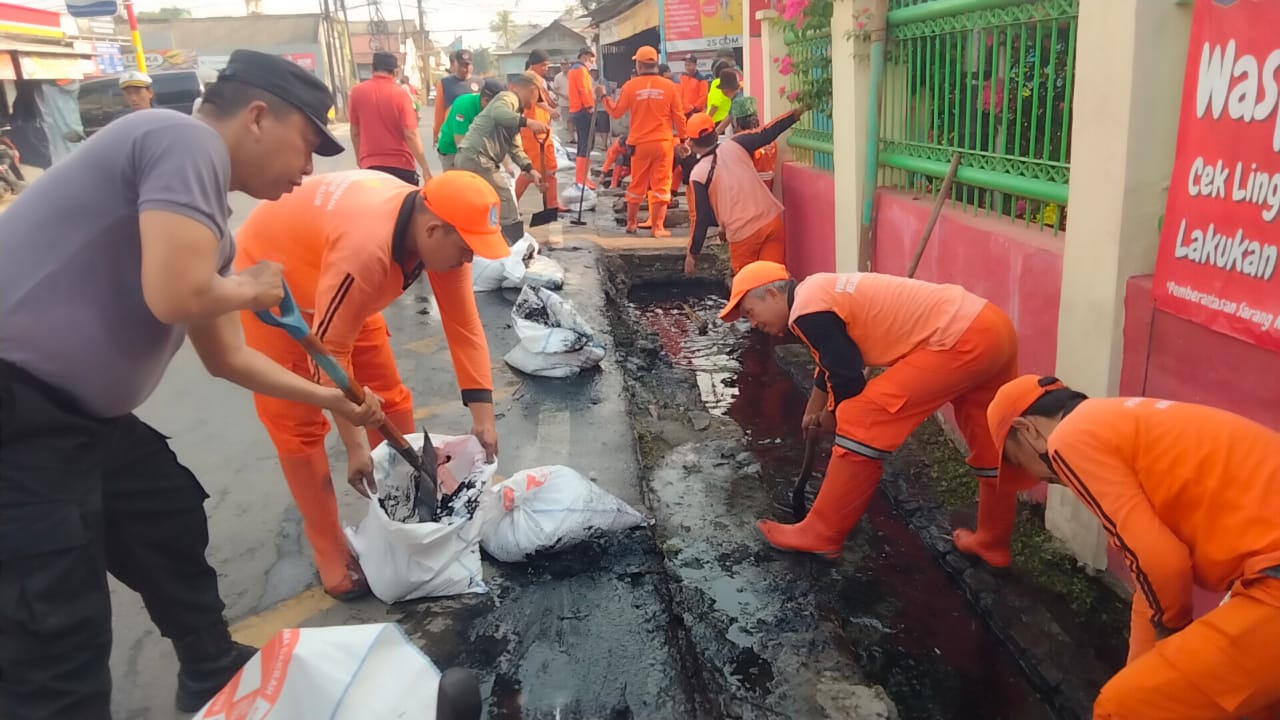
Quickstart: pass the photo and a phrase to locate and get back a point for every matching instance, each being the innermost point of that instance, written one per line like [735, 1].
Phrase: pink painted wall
[1168, 357]
[810, 219]
[1015, 267]
[755, 69]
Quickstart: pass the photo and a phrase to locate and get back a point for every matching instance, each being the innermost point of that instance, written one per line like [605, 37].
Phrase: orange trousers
[298, 433]
[767, 243]
[871, 425]
[651, 172]
[544, 161]
[1223, 666]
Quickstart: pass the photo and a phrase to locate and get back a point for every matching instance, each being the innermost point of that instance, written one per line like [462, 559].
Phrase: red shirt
[380, 111]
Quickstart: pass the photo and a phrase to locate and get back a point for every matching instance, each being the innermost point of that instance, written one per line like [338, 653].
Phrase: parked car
[101, 100]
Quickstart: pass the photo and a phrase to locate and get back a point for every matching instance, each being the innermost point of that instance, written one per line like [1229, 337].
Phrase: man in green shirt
[493, 135]
[458, 121]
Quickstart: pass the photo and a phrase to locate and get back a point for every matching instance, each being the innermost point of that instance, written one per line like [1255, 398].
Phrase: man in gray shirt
[106, 264]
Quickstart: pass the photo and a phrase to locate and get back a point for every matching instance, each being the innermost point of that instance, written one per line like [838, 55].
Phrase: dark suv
[101, 100]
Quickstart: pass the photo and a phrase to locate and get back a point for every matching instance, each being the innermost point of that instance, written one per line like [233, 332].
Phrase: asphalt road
[265, 571]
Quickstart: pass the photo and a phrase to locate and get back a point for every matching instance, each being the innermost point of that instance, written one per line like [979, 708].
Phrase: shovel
[546, 215]
[798, 491]
[424, 465]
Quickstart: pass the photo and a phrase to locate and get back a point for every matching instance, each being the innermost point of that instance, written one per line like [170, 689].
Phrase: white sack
[407, 560]
[547, 509]
[488, 275]
[569, 197]
[352, 672]
[554, 339]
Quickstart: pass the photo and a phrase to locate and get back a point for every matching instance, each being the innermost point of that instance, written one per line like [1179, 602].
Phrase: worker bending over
[351, 242]
[938, 343]
[495, 134]
[582, 103]
[656, 113]
[1191, 496]
[728, 192]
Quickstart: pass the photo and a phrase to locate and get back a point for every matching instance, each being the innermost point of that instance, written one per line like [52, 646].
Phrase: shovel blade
[544, 217]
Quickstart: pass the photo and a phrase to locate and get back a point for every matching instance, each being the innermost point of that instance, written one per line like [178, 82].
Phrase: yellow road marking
[257, 629]
[426, 345]
[427, 411]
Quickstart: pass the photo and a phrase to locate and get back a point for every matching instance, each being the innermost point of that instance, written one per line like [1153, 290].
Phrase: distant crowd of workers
[123, 251]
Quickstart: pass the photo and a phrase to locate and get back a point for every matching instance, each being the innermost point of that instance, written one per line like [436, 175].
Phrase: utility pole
[424, 42]
[349, 58]
[331, 58]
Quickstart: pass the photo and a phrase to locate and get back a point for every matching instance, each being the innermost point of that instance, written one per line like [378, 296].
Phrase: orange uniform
[342, 239]
[693, 91]
[940, 344]
[727, 191]
[1191, 496]
[582, 105]
[542, 155]
[657, 118]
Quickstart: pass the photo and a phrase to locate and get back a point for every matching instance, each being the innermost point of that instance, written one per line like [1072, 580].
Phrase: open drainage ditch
[889, 608]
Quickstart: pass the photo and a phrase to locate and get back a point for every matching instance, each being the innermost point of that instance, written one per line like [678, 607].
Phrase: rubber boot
[633, 211]
[312, 490]
[513, 232]
[553, 194]
[845, 493]
[658, 217]
[580, 166]
[459, 696]
[997, 510]
[206, 663]
[401, 420]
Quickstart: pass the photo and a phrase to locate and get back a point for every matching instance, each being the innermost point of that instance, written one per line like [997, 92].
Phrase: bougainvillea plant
[807, 66]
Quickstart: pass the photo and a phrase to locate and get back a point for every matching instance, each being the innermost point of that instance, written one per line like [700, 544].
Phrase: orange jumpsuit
[940, 344]
[582, 103]
[1190, 495]
[543, 156]
[656, 111]
[342, 239]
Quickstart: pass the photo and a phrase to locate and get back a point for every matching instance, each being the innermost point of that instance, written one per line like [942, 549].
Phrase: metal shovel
[546, 215]
[291, 321]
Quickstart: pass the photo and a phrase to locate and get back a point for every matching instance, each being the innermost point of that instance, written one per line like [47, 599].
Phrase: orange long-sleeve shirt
[656, 109]
[581, 92]
[343, 241]
[693, 91]
[1188, 493]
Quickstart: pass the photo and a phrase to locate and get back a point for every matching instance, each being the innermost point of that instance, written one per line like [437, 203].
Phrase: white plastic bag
[569, 197]
[351, 672]
[408, 560]
[541, 271]
[554, 339]
[562, 156]
[488, 275]
[546, 509]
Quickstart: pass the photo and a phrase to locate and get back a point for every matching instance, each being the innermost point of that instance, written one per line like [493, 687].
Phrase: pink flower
[794, 9]
[776, 59]
[862, 24]
[784, 67]
[782, 91]
[791, 96]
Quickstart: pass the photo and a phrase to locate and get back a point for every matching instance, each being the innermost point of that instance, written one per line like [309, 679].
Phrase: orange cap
[646, 54]
[1011, 401]
[699, 124]
[754, 275]
[468, 203]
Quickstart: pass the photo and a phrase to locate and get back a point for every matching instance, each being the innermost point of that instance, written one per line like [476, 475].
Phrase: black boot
[459, 696]
[513, 232]
[206, 663]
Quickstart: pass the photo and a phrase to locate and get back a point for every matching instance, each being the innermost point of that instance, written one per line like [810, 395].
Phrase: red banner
[1220, 242]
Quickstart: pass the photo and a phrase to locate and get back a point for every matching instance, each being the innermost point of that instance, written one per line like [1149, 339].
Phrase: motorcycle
[12, 181]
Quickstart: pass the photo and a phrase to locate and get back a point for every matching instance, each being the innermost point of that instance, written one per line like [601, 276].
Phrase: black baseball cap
[289, 82]
[491, 87]
[462, 56]
[538, 56]
[691, 58]
[586, 51]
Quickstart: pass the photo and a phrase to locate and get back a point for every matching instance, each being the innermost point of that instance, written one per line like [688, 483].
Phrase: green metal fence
[811, 138]
[991, 80]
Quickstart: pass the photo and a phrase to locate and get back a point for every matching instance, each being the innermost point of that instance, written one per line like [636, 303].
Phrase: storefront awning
[45, 61]
[634, 20]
